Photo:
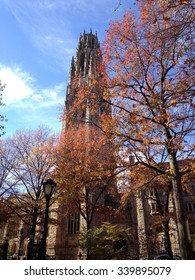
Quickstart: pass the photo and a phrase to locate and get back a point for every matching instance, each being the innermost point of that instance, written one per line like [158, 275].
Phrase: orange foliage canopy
[151, 82]
[84, 168]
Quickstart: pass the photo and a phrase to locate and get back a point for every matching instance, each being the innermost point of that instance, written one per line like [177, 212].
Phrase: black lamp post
[48, 188]
[5, 247]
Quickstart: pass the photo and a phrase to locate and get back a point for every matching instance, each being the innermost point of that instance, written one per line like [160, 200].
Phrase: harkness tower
[85, 111]
[84, 66]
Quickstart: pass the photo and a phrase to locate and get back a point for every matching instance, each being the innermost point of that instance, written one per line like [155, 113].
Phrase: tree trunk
[88, 251]
[143, 248]
[168, 247]
[30, 253]
[166, 224]
[182, 225]
[165, 213]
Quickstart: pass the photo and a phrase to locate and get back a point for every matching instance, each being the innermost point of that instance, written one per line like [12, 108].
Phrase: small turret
[72, 72]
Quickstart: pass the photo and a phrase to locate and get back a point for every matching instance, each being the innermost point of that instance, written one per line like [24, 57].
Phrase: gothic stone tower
[85, 68]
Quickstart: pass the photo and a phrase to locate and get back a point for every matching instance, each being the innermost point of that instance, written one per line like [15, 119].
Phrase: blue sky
[38, 39]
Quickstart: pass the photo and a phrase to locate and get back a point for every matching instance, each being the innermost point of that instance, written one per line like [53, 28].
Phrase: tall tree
[29, 164]
[84, 170]
[150, 63]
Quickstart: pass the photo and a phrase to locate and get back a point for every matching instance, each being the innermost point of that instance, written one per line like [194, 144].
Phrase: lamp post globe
[48, 187]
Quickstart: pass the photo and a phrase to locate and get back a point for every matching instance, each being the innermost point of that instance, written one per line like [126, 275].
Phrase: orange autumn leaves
[83, 158]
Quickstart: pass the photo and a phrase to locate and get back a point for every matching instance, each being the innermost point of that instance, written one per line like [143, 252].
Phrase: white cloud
[52, 97]
[19, 84]
[27, 104]
[21, 90]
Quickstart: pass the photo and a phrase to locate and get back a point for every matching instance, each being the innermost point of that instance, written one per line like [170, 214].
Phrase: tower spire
[83, 68]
